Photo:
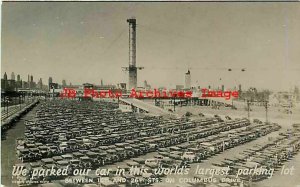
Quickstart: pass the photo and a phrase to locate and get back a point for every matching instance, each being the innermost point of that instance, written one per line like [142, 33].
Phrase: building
[5, 76]
[40, 84]
[24, 85]
[4, 82]
[188, 80]
[146, 85]
[19, 83]
[13, 76]
[64, 83]
[50, 81]
[8, 84]
[53, 85]
[88, 86]
[122, 86]
[11, 85]
[179, 87]
[105, 87]
[28, 78]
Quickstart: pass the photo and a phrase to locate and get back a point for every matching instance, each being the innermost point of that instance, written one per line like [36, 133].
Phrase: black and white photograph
[150, 94]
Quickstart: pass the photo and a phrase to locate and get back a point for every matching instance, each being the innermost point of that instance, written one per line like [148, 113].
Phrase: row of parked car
[190, 152]
[268, 156]
[195, 151]
[89, 135]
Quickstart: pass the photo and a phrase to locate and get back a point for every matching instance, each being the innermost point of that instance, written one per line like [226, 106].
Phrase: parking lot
[84, 135]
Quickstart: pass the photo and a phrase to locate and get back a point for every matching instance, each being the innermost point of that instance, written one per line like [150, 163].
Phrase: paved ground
[274, 115]
[8, 152]
[220, 157]
[152, 109]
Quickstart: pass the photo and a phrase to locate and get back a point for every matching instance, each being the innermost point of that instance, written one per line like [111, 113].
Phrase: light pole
[6, 100]
[20, 103]
[248, 108]
[266, 106]
[242, 70]
[174, 103]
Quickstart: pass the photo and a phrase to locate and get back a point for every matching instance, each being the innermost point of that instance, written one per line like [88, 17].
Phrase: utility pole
[174, 103]
[7, 100]
[248, 108]
[266, 107]
[53, 93]
[20, 103]
[118, 102]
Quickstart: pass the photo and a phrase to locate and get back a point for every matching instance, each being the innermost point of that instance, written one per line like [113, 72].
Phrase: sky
[88, 41]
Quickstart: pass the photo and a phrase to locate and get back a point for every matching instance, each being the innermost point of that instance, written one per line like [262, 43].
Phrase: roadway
[152, 109]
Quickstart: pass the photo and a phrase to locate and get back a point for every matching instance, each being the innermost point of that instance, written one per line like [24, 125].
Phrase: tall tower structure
[18, 78]
[5, 81]
[40, 84]
[132, 53]
[132, 69]
[19, 82]
[31, 82]
[50, 81]
[13, 76]
[188, 80]
[5, 76]
[64, 83]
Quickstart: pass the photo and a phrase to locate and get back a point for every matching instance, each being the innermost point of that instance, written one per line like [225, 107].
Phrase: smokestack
[132, 53]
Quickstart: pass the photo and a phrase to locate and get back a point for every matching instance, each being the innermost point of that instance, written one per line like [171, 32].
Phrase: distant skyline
[88, 41]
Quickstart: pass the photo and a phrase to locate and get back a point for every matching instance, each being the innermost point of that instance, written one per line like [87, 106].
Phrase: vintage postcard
[161, 94]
